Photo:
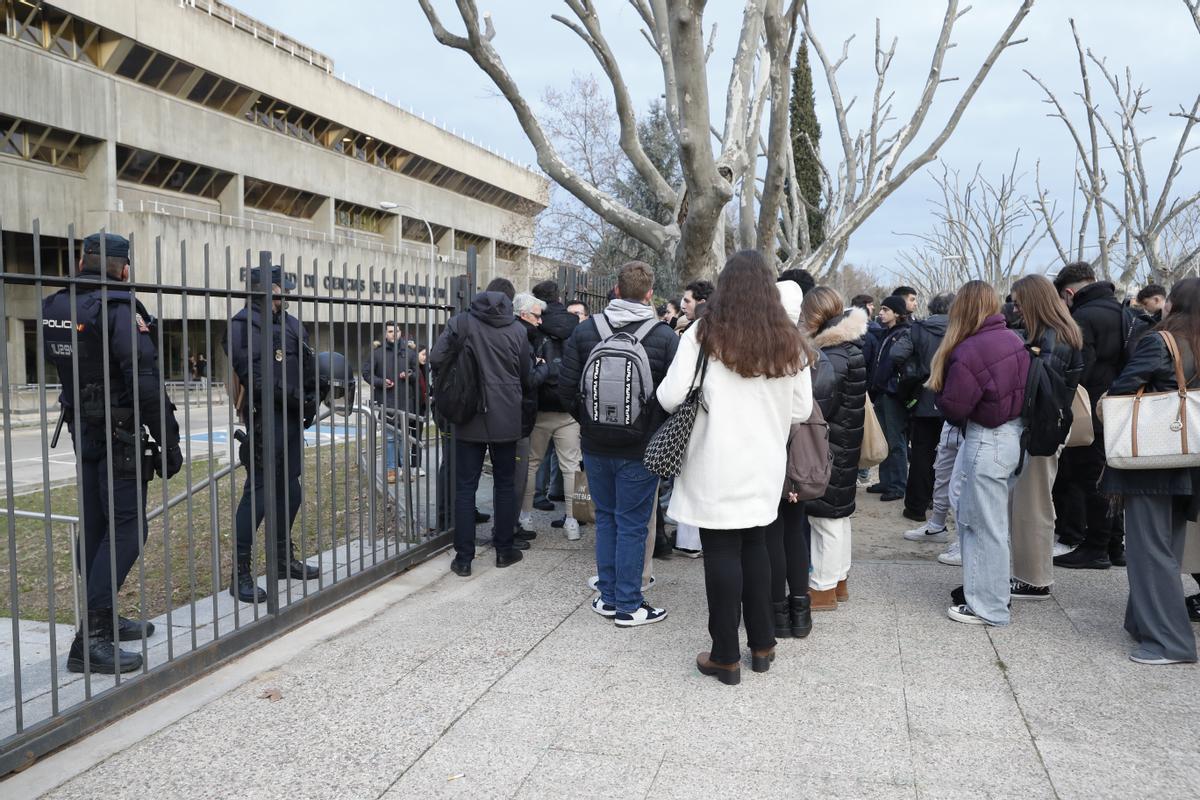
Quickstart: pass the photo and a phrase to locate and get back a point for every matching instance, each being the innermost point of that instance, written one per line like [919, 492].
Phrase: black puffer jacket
[1151, 366]
[913, 358]
[505, 365]
[1096, 310]
[843, 407]
[661, 344]
[548, 341]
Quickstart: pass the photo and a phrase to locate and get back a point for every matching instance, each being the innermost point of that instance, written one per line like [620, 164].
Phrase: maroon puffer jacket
[985, 377]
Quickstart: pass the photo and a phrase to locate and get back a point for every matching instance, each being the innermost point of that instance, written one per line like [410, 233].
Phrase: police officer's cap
[278, 278]
[114, 246]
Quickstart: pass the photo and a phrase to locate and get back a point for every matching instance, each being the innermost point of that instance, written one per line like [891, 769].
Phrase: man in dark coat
[391, 369]
[1082, 511]
[501, 349]
[884, 385]
[913, 358]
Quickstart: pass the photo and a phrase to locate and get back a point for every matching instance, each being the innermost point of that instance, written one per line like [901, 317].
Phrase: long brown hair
[1043, 309]
[1184, 319]
[974, 303]
[745, 326]
[821, 305]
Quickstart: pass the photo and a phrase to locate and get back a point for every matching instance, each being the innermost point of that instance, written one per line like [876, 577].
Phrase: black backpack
[458, 392]
[1134, 325]
[1046, 409]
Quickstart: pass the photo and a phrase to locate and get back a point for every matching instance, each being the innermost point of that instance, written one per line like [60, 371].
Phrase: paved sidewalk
[508, 685]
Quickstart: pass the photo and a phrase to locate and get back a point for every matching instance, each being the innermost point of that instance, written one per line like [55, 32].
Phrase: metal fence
[356, 523]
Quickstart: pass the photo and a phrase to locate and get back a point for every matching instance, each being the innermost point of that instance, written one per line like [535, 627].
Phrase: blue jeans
[893, 418]
[988, 459]
[392, 442]
[623, 491]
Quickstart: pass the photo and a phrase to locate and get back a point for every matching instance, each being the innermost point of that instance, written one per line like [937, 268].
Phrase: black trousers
[289, 493]
[468, 466]
[1083, 516]
[789, 541]
[923, 436]
[737, 575]
[108, 542]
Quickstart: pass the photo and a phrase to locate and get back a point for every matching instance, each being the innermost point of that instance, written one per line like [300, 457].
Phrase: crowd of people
[987, 408]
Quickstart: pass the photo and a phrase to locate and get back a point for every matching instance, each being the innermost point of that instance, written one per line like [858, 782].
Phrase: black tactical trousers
[109, 538]
[289, 492]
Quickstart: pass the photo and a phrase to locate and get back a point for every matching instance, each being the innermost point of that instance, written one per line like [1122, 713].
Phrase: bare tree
[1142, 214]
[872, 158]
[983, 230]
[757, 94]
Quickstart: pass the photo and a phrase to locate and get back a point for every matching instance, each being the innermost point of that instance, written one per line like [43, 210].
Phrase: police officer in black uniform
[106, 435]
[287, 384]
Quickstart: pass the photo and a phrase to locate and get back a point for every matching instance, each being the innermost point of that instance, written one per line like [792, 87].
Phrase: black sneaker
[958, 596]
[542, 504]
[889, 497]
[915, 516]
[1020, 590]
[875, 488]
[461, 568]
[1116, 554]
[1193, 607]
[557, 497]
[1083, 558]
[481, 517]
[524, 534]
[508, 559]
[520, 544]
[684, 551]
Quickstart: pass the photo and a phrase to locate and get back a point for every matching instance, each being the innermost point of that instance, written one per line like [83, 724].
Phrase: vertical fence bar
[372, 463]
[14, 586]
[358, 439]
[266, 316]
[253, 427]
[304, 379]
[214, 485]
[281, 360]
[140, 486]
[317, 306]
[357, 426]
[186, 437]
[168, 573]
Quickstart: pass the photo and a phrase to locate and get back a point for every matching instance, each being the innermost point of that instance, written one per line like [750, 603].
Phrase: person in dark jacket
[613, 455]
[979, 375]
[1047, 326]
[1084, 517]
[501, 349]
[913, 357]
[392, 372]
[554, 423]
[842, 400]
[884, 388]
[1160, 502]
[1152, 298]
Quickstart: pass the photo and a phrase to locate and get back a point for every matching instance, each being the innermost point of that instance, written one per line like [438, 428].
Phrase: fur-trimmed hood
[851, 327]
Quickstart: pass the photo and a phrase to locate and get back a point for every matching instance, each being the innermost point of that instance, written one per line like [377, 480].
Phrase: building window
[163, 172]
[32, 142]
[360, 218]
[279, 199]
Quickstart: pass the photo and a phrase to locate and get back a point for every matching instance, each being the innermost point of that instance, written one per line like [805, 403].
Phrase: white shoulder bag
[1154, 430]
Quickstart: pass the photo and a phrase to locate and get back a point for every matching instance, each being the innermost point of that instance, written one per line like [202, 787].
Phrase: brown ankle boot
[823, 599]
[729, 674]
[843, 591]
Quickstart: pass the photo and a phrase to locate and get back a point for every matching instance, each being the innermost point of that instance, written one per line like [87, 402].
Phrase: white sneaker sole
[967, 619]
[950, 561]
[942, 537]
[602, 611]
[573, 537]
[637, 623]
[1046, 596]
[1155, 662]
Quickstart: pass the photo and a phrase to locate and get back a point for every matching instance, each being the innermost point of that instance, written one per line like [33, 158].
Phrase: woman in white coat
[757, 385]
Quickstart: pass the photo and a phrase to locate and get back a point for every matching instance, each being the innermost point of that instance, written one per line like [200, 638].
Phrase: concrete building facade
[198, 130]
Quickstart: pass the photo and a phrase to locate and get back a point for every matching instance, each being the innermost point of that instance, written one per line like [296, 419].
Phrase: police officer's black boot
[292, 567]
[242, 586]
[103, 655]
[132, 630]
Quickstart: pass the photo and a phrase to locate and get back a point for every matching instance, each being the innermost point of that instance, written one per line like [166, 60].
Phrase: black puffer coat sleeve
[826, 386]
[845, 419]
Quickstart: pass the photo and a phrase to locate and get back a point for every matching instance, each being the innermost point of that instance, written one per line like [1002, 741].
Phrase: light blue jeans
[987, 460]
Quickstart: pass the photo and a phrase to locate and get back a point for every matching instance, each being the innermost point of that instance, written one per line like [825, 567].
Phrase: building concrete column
[487, 261]
[393, 230]
[100, 192]
[233, 198]
[445, 244]
[15, 332]
[325, 220]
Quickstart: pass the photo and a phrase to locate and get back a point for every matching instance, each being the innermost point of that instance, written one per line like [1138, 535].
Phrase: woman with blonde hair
[979, 376]
[1050, 330]
[757, 384]
[840, 388]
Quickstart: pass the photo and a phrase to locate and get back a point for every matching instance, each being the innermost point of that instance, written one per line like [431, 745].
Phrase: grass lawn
[177, 563]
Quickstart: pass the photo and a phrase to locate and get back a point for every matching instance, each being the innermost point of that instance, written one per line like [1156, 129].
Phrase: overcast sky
[388, 47]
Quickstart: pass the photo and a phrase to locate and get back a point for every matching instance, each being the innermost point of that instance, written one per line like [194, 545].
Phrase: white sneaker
[603, 609]
[645, 615]
[952, 556]
[964, 614]
[1061, 549]
[525, 521]
[571, 529]
[926, 534]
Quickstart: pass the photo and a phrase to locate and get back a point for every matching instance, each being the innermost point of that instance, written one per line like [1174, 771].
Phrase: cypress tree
[805, 127]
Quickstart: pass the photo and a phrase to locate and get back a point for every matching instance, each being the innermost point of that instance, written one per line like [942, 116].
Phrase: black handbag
[667, 447]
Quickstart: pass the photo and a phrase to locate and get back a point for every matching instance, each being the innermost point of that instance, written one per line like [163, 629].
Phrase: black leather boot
[102, 653]
[292, 567]
[800, 612]
[783, 622]
[133, 630]
[243, 586]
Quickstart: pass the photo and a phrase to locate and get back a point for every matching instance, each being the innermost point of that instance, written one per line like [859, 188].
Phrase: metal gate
[359, 519]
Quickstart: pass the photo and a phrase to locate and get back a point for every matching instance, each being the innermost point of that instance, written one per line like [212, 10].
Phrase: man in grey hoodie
[622, 488]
